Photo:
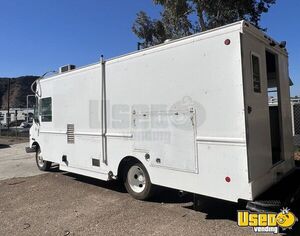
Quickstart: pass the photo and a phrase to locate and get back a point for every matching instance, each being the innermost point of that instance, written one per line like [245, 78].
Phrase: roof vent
[66, 68]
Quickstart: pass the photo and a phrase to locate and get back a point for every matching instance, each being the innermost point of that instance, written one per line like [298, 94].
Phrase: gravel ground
[59, 203]
[65, 204]
[14, 162]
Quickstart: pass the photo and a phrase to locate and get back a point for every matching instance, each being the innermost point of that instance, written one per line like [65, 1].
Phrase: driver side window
[46, 109]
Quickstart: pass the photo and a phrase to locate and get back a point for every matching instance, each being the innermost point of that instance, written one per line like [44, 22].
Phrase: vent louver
[70, 133]
[95, 162]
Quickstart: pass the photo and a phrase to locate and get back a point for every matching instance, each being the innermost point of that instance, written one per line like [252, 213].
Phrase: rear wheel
[41, 164]
[137, 181]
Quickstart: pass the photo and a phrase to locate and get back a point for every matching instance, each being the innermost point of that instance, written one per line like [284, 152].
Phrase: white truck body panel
[185, 104]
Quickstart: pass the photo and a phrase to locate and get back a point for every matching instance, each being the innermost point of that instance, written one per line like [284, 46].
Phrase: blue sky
[41, 35]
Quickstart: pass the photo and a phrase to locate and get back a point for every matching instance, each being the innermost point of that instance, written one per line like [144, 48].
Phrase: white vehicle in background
[191, 114]
[25, 125]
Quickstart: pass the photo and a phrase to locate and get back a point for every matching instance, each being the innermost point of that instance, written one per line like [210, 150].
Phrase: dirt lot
[59, 203]
[65, 204]
[14, 162]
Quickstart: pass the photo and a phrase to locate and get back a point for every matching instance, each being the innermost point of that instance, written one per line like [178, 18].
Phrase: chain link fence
[19, 120]
[14, 132]
[17, 128]
[296, 117]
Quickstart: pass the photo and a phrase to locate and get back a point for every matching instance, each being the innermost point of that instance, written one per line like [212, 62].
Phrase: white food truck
[190, 114]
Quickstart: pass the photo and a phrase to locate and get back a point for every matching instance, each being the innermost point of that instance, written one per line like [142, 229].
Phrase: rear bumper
[273, 177]
[30, 149]
[283, 194]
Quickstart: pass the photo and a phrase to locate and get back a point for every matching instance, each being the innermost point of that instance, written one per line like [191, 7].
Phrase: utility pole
[8, 105]
[16, 119]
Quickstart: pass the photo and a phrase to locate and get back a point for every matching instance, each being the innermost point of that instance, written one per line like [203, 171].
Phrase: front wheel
[41, 164]
[137, 181]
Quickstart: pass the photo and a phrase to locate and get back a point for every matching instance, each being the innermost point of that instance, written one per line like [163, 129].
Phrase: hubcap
[136, 179]
[40, 160]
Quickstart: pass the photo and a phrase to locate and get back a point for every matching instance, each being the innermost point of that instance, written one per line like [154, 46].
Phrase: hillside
[19, 89]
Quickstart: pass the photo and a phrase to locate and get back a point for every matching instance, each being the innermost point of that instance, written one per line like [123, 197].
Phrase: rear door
[256, 107]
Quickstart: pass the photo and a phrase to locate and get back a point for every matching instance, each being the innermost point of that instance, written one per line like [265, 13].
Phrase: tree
[176, 17]
[151, 31]
[174, 23]
[143, 27]
[215, 13]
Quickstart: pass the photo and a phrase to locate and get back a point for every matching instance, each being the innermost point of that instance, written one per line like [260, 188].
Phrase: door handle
[249, 109]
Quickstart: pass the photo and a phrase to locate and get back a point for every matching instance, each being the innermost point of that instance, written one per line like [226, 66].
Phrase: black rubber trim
[30, 150]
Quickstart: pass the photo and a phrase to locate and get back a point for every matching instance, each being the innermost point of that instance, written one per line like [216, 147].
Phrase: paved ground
[59, 203]
[14, 162]
[64, 204]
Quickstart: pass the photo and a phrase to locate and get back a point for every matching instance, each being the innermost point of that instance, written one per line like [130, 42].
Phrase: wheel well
[36, 145]
[125, 162]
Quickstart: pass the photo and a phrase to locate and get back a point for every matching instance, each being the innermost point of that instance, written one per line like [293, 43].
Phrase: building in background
[16, 115]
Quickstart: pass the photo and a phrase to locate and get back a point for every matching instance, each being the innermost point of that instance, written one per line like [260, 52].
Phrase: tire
[41, 164]
[137, 181]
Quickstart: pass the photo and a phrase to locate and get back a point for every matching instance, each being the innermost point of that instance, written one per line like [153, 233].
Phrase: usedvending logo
[267, 222]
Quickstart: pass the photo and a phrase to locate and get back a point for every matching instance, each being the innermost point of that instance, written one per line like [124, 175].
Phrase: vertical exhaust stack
[66, 68]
